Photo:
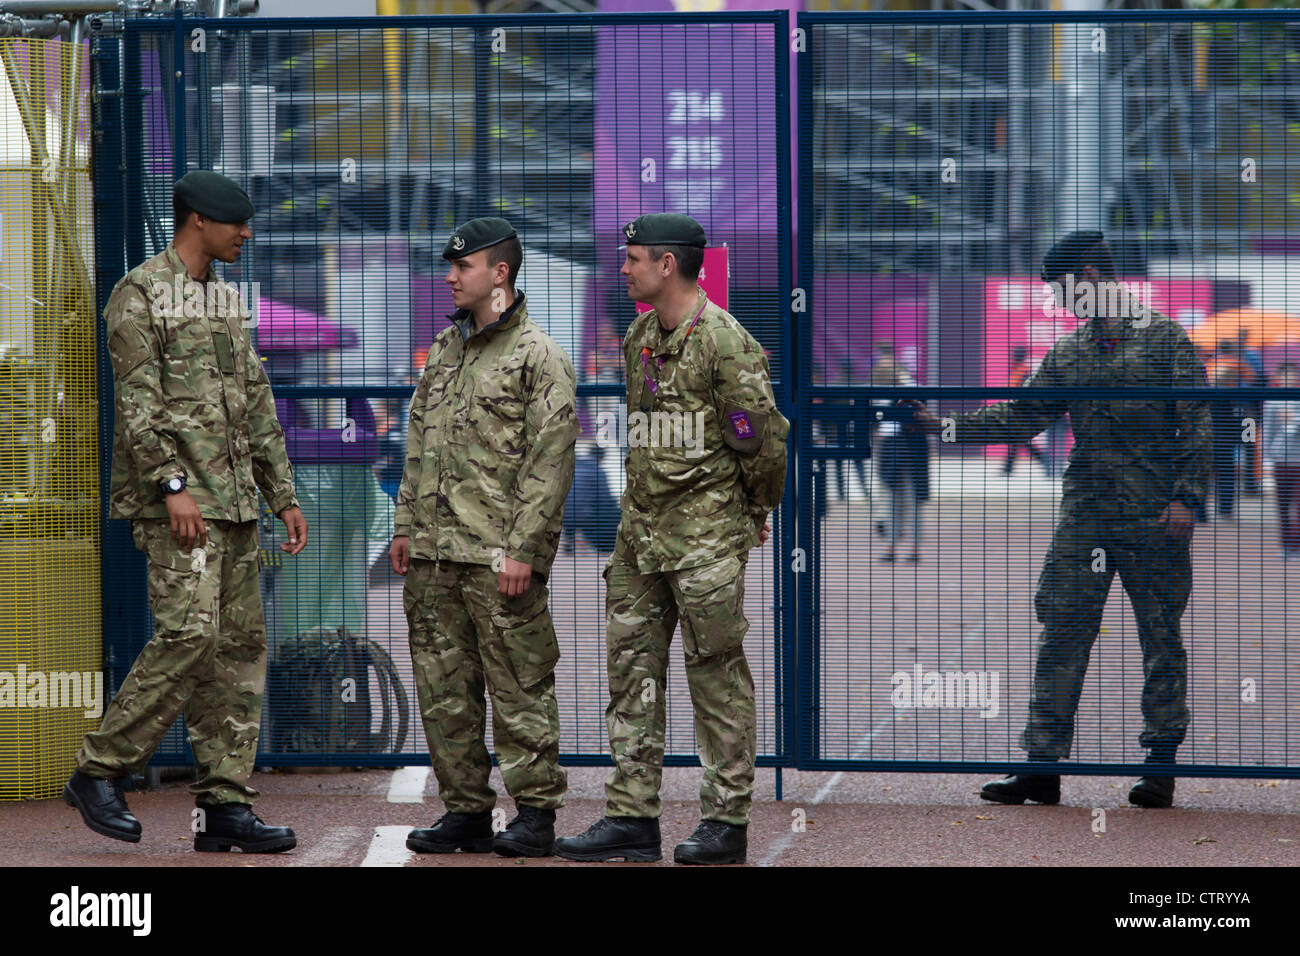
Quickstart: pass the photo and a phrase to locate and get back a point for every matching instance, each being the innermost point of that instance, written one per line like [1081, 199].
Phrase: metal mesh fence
[1007, 590]
[51, 682]
[362, 145]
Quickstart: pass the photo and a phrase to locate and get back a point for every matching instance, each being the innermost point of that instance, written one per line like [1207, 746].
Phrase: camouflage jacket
[706, 454]
[489, 454]
[1130, 458]
[191, 397]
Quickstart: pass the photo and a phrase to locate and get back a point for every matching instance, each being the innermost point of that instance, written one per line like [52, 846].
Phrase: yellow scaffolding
[51, 676]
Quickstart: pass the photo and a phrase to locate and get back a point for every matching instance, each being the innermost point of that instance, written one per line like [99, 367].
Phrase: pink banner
[714, 274]
[1024, 312]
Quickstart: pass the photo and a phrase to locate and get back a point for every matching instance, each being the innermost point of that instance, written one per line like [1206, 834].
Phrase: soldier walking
[489, 462]
[196, 436]
[692, 510]
[1136, 475]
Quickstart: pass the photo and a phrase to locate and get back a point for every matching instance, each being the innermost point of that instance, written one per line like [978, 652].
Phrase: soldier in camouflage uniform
[196, 436]
[489, 462]
[1137, 473]
[706, 465]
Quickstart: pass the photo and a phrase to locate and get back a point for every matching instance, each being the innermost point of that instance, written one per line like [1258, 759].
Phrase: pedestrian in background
[904, 461]
[1282, 446]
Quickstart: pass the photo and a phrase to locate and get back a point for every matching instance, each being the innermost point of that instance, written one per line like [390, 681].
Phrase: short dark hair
[511, 252]
[690, 259]
[1098, 255]
[180, 213]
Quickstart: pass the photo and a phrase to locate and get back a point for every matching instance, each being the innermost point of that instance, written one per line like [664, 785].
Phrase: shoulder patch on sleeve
[743, 428]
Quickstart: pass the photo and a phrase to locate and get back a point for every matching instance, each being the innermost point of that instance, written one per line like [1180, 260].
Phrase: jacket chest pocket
[450, 393]
[1147, 417]
[190, 364]
[497, 407]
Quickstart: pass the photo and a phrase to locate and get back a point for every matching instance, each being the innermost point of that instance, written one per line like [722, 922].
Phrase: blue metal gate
[362, 143]
[941, 155]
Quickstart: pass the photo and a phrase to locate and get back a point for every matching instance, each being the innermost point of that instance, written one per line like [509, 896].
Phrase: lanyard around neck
[645, 352]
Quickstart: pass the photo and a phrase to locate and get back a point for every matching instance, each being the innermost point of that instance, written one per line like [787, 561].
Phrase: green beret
[664, 229]
[477, 234]
[1064, 256]
[213, 195]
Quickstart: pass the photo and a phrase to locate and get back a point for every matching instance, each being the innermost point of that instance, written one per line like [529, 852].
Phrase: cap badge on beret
[457, 243]
[629, 230]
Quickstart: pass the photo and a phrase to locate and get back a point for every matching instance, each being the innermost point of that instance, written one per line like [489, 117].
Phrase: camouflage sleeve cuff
[526, 557]
[282, 501]
[160, 473]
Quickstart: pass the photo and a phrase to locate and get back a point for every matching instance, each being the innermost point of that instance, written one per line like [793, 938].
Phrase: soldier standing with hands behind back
[691, 513]
[489, 462]
[1136, 475]
[196, 437]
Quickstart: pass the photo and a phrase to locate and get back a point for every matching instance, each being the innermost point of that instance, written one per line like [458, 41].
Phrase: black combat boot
[714, 842]
[229, 825]
[471, 832]
[102, 806]
[634, 839]
[1019, 787]
[1154, 792]
[530, 833]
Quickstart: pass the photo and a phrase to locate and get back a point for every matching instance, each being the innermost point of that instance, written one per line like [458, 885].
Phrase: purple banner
[684, 122]
[855, 313]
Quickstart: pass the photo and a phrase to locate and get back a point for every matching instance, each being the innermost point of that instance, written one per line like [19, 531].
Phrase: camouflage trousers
[466, 637]
[207, 657]
[641, 613]
[1156, 572]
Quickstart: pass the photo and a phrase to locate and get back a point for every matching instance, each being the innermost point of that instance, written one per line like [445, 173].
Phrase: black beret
[664, 229]
[477, 234]
[1064, 256]
[213, 195]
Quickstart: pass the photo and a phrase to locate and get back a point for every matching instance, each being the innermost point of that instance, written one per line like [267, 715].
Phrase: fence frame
[808, 755]
[117, 160]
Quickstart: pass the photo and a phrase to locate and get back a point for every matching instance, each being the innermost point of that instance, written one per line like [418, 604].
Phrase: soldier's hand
[1178, 520]
[296, 526]
[764, 533]
[514, 577]
[925, 419]
[188, 528]
[399, 554]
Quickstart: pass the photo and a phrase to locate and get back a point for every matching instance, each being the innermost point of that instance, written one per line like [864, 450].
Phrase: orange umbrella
[1264, 328]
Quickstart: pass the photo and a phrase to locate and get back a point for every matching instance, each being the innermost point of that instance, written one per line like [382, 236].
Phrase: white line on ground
[863, 745]
[388, 847]
[332, 849]
[407, 785]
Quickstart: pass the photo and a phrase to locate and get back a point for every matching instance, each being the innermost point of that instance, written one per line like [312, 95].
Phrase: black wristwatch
[172, 486]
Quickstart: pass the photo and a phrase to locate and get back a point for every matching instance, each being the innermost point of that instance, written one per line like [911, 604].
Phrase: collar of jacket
[463, 319]
[178, 265]
[670, 343]
[1118, 329]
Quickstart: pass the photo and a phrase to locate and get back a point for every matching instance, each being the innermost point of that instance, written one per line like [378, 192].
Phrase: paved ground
[348, 819]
